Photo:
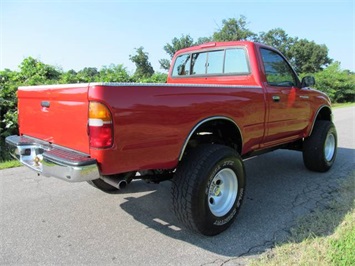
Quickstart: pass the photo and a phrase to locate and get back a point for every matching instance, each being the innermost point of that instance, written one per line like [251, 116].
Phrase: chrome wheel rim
[329, 147]
[222, 192]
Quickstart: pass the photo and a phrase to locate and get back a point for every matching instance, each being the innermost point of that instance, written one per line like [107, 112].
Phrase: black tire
[320, 149]
[208, 188]
[102, 185]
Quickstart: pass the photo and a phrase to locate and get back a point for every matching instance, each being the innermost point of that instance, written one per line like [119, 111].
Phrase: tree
[177, 44]
[202, 40]
[34, 72]
[114, 73]
[278, 39]
[309, 57]
[233, 30]
[69, 77]
[305, 56]
[164, 64]
[8, 108]
[155, 78]
[184, 41]
[143, 67]
[338, 84]
[88, 74]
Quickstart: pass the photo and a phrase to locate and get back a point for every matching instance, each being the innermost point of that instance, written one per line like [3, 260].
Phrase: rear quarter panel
[152, 122]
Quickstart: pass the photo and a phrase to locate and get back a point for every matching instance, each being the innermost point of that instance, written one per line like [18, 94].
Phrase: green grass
[325, 237]
[9, 164]
[342, 245]
[342, 105]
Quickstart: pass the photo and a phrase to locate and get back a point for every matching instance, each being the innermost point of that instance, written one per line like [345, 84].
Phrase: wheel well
[324, 114]
[215, 131]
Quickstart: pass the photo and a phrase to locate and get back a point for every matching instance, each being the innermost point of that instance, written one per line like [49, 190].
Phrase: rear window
[216, 62]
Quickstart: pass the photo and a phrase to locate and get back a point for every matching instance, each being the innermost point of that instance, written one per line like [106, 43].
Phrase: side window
[198, 65]
[182, 65]
[278, 72]
[215, 62]
[236, 61]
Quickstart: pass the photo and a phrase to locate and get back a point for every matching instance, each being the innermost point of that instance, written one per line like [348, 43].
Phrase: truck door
[288, 106]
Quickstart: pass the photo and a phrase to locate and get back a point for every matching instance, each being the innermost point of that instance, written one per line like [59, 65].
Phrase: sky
[73, 34]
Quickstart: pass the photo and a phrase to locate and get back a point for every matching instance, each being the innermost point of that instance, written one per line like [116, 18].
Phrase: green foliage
[203, 40]
[88, 74]
[8, 111]
[304, 56]
[143, 67]
[69, 77]
[278, 39]
[155, 78]
[9, 164]
[234, 30]
[176, 44]
[338, 84]
[164, 64]
[342, 246]
[113, 73]
[34, 72]
[307, 56]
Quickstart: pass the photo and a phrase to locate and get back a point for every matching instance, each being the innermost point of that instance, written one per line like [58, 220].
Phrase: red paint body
[151, 123]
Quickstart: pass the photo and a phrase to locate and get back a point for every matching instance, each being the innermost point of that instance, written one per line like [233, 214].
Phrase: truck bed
[151, 121]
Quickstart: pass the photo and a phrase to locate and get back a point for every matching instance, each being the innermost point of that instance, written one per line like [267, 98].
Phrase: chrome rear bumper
[50, 160]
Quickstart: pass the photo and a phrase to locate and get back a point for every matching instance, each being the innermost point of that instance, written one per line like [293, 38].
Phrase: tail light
[100, 126]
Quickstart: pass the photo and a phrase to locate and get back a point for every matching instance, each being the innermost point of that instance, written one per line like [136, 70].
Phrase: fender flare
[206, 120]
[323, 107]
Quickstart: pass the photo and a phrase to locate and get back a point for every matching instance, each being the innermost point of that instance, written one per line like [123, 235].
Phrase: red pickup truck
[223, 102]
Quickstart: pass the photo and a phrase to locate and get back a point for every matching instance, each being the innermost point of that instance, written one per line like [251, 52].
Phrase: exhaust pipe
[117, 183]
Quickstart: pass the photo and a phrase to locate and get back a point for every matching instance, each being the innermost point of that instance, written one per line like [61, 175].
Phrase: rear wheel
[208, 188]
[319, 149]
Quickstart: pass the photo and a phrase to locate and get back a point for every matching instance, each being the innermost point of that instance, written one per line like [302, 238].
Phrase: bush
[8, 108]
[338, 84]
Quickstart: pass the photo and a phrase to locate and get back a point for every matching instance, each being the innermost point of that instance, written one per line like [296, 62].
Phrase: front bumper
[50, 160]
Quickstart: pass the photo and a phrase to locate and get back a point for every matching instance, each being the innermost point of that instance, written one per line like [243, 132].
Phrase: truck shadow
[280, 190]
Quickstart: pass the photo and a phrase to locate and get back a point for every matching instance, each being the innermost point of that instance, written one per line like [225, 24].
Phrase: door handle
[46, 104]
[276, 98]
[304, 97]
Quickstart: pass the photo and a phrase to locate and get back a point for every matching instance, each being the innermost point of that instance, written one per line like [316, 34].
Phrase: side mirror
[308, 81]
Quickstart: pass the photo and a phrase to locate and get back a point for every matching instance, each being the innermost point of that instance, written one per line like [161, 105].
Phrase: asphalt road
[45, 221]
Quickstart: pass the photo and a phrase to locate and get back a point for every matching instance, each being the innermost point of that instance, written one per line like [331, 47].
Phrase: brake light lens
[100, 126]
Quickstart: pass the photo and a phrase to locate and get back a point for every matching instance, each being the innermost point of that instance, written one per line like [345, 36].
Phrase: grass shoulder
[9, 164]
[342, 105]
[314, 241]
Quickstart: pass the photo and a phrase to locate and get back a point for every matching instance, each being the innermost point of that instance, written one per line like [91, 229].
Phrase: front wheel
[319, 149]
[208, 188]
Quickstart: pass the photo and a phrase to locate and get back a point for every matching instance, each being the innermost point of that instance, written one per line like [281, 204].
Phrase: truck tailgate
[57, 114]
